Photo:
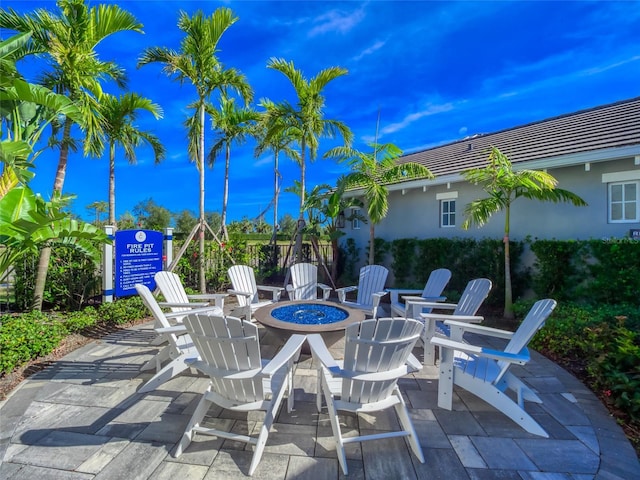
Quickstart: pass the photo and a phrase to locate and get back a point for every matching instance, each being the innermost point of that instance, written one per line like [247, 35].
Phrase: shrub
[123, 310]
[27, 336]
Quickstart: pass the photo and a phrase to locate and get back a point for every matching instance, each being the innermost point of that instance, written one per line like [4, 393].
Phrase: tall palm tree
[118, 114]
[271, 135]
[197, 63]
[70, 39]
[305, 122]
[504, 186]
[370, 172]
[98, 207]
[232, 125]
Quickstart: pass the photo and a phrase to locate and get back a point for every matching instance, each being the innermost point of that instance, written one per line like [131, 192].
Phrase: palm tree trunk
[112, 184]
[508, 293]
[301, 216]
[203, 280]
[225, 192]
[275, 193]
[372, 238]
[58, 183]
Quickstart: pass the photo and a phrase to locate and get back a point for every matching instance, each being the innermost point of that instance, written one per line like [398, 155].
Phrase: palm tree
[504, 186]
[232, 125]
[119, 113]
[305, 122]
[70, 40]
[197, 63]
[99, 207]
[370, 172]
[272, 135]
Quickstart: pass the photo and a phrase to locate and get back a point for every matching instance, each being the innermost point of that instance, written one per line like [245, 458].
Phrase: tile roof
[606, 126]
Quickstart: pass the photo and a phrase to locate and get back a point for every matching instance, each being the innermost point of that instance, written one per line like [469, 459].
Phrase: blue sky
[434, 72]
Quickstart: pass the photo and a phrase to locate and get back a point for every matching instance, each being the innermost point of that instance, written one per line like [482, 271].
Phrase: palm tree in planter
[118, 114]
[370, 172]
[504, 186]
[197, 63]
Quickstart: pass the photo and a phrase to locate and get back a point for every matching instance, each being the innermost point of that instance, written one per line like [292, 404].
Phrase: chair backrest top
[372, 279]
[243, 279]
[225, 343]
[151, 303]
[436, 282]
[380, 344]
[474, 294]
[172, 289]
[534, 321]
[304, 278]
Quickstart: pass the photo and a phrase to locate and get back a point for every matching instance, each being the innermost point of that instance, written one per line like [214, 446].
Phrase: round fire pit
[305, 316]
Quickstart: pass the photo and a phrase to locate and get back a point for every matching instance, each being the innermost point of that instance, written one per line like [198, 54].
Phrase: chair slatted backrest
[533, 322]
[150, 302]
[172, 289]
[372, 280]
[231, 349]
[474, 294]
[436, 282]
[243, 280]
[304, 278]
[377, 346]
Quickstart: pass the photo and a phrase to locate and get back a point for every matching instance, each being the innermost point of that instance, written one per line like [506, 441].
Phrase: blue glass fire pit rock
[311, 314]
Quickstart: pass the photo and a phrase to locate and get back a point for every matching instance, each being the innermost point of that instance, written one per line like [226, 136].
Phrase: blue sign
[138, 257]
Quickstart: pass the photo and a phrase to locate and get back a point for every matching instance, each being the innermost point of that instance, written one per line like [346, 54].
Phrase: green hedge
[28, 336]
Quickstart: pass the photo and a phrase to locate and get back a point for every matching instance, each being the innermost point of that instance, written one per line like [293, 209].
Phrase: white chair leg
[157, 360]
[167, 373]
[429, 348]
[335, 427]
[407, 426]
[445, 380]
[199, 413]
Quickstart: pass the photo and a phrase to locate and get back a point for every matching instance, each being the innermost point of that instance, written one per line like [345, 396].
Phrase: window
[355, 221]
[447, 213]
[623, 202]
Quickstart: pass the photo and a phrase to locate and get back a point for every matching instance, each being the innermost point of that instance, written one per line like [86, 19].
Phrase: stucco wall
[416, 212]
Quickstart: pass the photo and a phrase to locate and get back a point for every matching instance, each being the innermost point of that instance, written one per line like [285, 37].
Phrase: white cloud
[413, 117]
[336, 21]
[368, 51]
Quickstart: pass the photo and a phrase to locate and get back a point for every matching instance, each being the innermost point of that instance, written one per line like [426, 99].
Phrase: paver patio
[82, 418]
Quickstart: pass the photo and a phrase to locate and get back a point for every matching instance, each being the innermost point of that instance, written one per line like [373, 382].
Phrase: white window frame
[447, 197]
[623, 202]
[355, 222]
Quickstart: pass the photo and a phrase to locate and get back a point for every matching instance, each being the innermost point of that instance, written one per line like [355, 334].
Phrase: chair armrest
[519, 358]
[321, 353]
[443, 317]
[326, 290]
[183, 305]
[178, 329]
[480, 329]
[395, 293]
[286, 353]
[239, 293]
[439, 305]
[218, 298]
[414, 363]
[342, 292]
[377, 296]
[423, 299]
[208, 309]
[275, 291]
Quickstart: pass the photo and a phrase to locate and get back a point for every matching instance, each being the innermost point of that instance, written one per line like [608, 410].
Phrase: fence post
[168, 247]
[107, 266]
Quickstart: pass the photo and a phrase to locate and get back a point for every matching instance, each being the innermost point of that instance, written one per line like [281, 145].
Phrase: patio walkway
[83, 419]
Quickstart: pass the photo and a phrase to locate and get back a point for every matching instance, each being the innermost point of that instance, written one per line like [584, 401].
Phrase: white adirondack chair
[465, 310]
[304, 283]
[243, 281]
[176, 297]
[240, 380]
[179, 349]
[485, 372]
[377, 353]
[432, 292]
[370, 289]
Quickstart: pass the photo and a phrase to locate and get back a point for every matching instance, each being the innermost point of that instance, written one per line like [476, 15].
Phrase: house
[593, 153]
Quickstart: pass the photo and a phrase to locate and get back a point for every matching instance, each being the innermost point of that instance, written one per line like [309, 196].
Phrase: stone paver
[83, 419]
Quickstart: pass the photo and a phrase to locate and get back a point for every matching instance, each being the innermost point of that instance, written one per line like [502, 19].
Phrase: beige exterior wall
[415, 213]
